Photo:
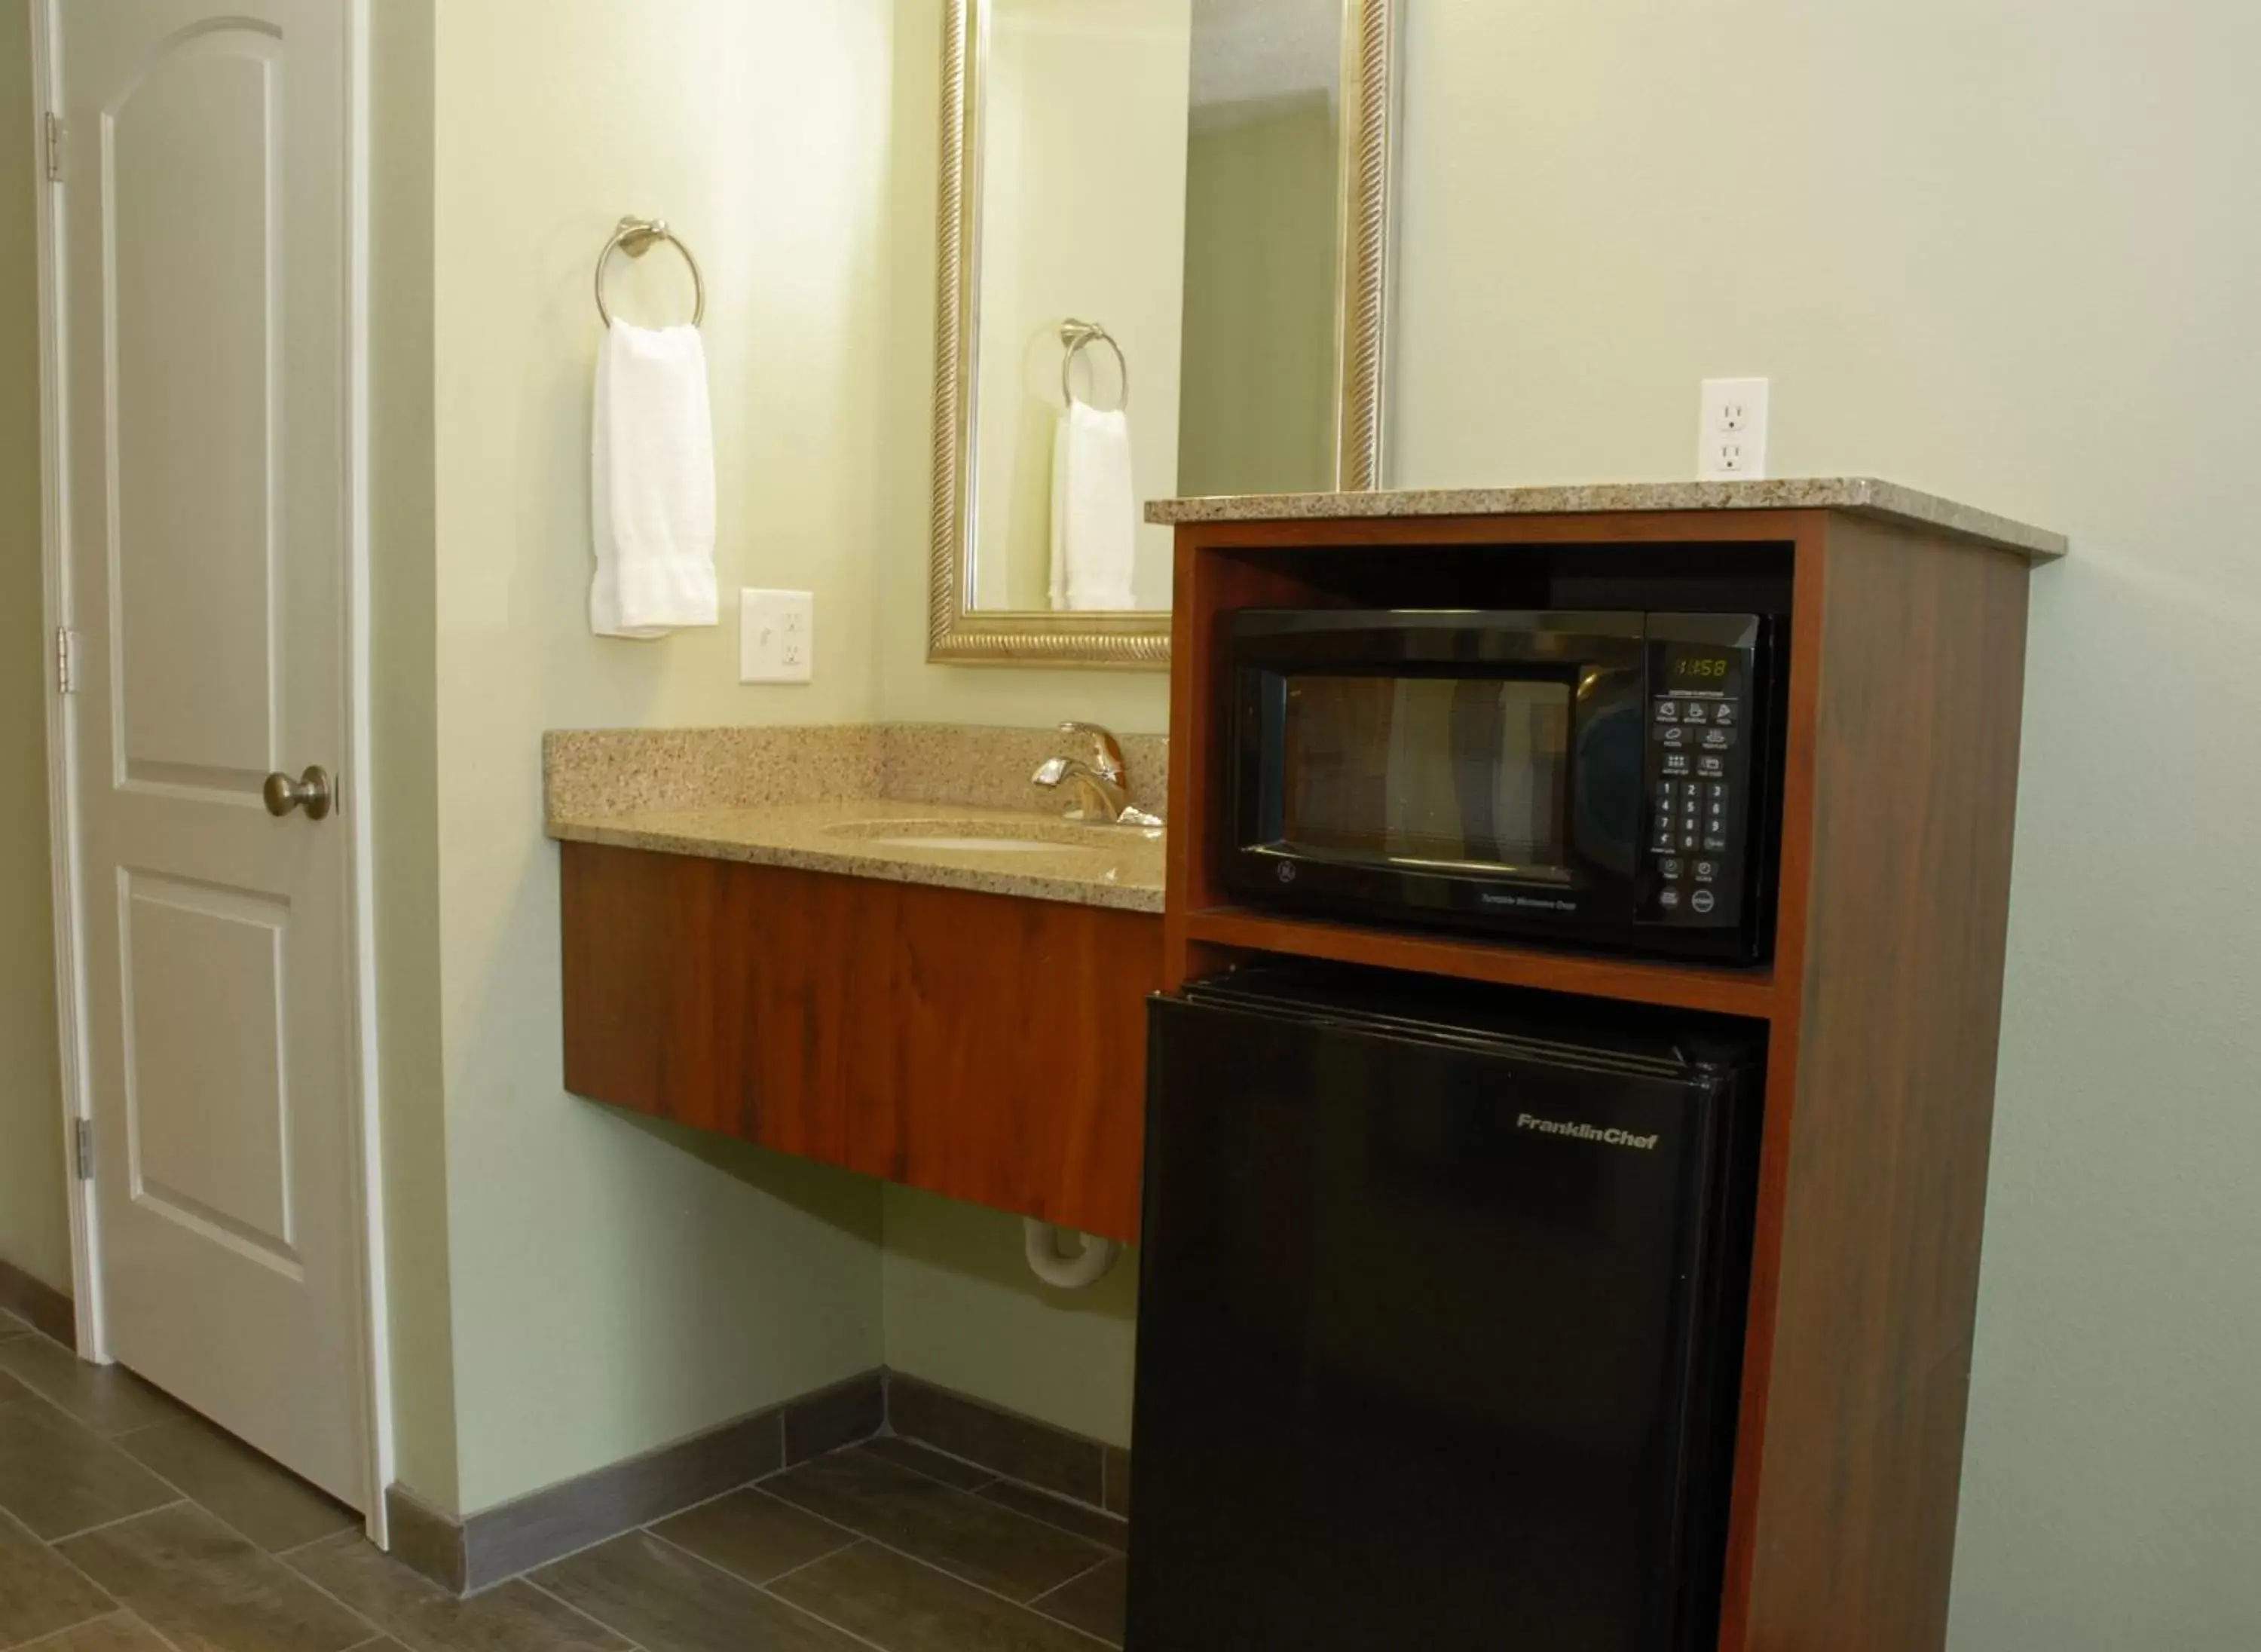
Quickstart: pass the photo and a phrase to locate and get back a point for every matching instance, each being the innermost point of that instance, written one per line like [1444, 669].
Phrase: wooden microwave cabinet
[1882, 1003]
[990, 1047]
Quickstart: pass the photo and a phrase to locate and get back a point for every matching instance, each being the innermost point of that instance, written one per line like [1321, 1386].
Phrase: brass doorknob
[311, 792]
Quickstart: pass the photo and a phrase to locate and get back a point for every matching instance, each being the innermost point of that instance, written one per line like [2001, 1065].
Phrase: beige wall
[34, 1224]
[610, 1289]
[2006, 251]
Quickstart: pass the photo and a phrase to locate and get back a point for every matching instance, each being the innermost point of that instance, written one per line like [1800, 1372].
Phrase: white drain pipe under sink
[1067, 1272]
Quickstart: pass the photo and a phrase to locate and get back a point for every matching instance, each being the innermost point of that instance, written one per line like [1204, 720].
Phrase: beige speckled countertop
[1857, 495]
[1090, 865]
[824, 799]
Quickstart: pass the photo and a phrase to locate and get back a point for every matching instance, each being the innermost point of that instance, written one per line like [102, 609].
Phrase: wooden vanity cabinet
[989, 1047]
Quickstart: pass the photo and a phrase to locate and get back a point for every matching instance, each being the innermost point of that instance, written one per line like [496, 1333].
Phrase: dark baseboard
[39, 1304]
[1068, 1465]
[465, 1556]
[424, 1539]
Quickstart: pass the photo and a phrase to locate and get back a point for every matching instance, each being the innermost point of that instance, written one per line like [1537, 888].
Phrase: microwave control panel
[1697, 775]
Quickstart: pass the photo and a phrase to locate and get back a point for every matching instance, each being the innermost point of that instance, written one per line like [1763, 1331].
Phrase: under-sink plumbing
[1066, 1273]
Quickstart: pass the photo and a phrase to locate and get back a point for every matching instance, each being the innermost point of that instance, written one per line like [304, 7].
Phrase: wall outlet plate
[1731, 442]
[777, 637]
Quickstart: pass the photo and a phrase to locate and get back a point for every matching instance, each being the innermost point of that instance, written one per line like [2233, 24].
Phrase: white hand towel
[1094, 510]
[653, 484]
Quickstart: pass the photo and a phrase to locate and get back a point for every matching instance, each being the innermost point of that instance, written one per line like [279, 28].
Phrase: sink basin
[985, 845]
[990, 837]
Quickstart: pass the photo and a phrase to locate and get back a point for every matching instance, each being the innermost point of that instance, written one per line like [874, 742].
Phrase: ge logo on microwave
[1286, 871]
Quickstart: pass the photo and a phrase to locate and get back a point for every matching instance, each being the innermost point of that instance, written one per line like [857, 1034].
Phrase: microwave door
[1418, 761]
[1526, 775]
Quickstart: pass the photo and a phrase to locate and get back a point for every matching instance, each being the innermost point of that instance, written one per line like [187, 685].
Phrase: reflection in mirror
[1262, 268]
[1082, 188]
[1164, 235]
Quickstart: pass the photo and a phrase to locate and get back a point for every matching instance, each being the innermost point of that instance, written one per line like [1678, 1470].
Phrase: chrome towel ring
[1076, 334]
[637, 236]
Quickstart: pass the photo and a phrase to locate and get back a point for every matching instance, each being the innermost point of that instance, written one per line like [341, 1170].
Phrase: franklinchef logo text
[1586, 1132]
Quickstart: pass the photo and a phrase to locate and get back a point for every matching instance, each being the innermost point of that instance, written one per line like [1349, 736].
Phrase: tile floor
[129, 1525]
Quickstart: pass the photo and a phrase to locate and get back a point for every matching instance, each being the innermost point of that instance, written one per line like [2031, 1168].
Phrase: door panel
[189, 163]
[207, 1115]
[205, 250]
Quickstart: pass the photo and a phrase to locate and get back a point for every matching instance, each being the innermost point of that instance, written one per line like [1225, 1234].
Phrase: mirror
[1164, 248]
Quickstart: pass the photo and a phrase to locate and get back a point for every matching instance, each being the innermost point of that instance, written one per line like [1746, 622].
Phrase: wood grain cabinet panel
[989, 1047]
[1882, 1006]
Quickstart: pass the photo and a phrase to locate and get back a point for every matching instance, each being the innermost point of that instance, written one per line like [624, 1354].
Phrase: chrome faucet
[1102, 786]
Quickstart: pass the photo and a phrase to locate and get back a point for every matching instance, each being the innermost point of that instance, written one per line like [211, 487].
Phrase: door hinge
[84, 1149]
[66, 660]
[57, 131]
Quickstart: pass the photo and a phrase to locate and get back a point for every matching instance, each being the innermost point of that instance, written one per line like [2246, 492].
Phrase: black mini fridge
[1440, 1321]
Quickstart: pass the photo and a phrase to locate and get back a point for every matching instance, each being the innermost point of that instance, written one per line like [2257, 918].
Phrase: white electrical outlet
[1731, 431]
[777, 637]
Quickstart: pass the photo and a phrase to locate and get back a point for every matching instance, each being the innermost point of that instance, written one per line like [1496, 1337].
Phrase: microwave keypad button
[1703, 901]
[1695, 711]
[1707, 871]
[1717, 791]
[1668, 711]
[1725, 714]
[1671, 733]
[1688, 840]
[1714, 843]
[1669, 900]
[1711, 763]
[1676, 763]
[1669, 868]
[1718, 739]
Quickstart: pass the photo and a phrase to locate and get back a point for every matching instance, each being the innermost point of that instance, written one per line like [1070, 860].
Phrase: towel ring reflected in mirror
[1355, 48]
[1074, 335]
[637, 236]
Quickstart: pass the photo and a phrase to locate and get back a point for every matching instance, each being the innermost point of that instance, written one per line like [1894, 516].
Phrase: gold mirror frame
[960, 634]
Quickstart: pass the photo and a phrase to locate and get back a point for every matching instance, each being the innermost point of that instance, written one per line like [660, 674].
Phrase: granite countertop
[1859, 495]
[1119, 866]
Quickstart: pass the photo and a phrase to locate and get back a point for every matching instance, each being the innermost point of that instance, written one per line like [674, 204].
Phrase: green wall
[2007, 252]
[612, 1287]
[1257, 409]
[34, 1221]
[962, 1310]
[403, 728]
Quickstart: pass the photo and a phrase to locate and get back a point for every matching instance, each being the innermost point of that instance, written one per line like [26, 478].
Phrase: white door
[205, 310]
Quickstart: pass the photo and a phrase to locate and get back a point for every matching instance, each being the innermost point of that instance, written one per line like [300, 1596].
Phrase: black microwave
[1609, 779]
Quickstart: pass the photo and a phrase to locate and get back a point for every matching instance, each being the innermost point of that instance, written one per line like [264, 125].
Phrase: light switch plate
[777, 637]
[1731, 431]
